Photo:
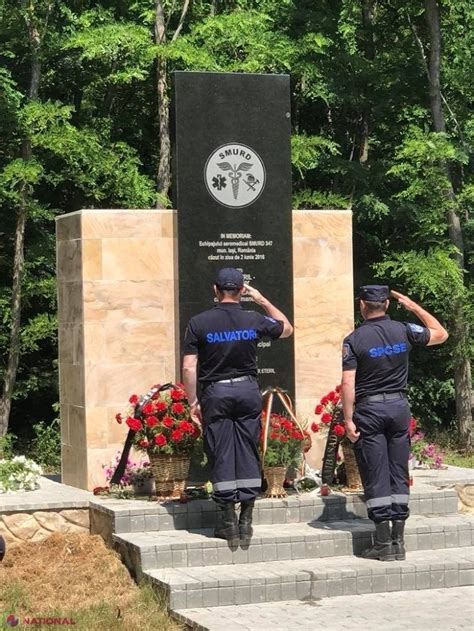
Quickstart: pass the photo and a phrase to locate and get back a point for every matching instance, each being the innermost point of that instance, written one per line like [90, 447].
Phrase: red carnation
[186, 427]
[339, 430]
[151, 421]
[274, 435]
[314, 427]
[331, 395]
[413, 426]
[287, 424]
[177, 408]
[326, 418]
[318, 409]
[118, 418]
[297, 435]
[133, 399]
[160, 440]
[177, 394]
[160, 406]
[284, 439]
[144, 443]
[338, 388]
[324, 401]
[336, 400]
[134, 423]
[148, 408]
[168, 421]
[176, 435]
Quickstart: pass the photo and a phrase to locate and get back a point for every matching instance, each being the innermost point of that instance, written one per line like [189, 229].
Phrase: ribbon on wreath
[269, 396]
[332, 447]
[120, 469]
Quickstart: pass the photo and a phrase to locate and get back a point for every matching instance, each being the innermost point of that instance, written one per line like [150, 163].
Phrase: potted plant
[329, 409]
[164, 430]
[136, 474]
[424, 454]
[284, 447]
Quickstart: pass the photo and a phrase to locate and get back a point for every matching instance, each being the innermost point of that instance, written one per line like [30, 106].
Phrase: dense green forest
[382, 119]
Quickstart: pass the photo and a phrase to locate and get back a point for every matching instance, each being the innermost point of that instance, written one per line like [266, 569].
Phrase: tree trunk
[9, 379]
[460, 328]
[164, 168]
[368, 17]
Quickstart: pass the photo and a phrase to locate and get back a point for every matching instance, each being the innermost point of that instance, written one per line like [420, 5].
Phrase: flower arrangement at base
[163, 428]
[137, 474]
[19, 474]
[332, 420]
[286, 443]
[426, 455]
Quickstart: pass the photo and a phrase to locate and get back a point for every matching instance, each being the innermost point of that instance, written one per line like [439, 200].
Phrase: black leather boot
[228, 527]
[382, 549]
[398, 541]
[245, 520]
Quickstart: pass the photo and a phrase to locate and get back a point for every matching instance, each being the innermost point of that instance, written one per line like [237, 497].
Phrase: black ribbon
[330, 452]
[120, 469]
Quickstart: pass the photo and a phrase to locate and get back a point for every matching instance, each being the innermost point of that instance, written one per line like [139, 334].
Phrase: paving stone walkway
[437, 609]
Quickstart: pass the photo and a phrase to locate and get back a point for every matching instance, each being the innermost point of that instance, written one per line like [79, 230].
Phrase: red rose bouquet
[286, 442]
[329, 409]
[162, 422]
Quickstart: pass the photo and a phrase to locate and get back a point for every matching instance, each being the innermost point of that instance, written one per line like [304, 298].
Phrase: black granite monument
[232, 190]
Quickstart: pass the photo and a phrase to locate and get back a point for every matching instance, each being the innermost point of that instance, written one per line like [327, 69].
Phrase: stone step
[446, 608]
[120, 516]
[310, 579]
[280, 542]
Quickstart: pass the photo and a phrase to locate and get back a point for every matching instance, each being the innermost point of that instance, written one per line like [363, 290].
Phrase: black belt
[390, 396]
[234, 379]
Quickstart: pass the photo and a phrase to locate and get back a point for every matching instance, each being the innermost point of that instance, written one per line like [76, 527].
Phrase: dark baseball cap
[374, 293]
[229, 278]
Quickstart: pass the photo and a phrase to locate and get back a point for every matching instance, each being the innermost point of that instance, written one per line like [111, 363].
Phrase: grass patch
[458, 459]
[76, 576]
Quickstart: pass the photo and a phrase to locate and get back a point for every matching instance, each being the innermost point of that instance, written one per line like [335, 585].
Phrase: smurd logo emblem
[235, 175]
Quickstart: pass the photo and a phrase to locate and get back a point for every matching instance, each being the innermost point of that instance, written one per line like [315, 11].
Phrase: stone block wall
[117, 291]
[36, 526]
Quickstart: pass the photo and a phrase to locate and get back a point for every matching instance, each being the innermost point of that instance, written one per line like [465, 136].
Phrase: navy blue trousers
[231, 418]
[382, 453]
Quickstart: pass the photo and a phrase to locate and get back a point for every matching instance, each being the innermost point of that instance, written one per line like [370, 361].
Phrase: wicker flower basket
[170, 473]
[354, 481]
[275, 477]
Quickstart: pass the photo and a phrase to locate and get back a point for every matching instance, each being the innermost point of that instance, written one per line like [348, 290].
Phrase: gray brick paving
[315, 578]
[50, 495]
[280, 542]
[443, 608]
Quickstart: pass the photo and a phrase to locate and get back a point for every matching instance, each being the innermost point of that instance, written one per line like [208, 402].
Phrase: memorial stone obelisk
[232, 191]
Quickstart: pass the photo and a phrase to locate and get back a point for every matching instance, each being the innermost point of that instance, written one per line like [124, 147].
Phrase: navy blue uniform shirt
[225, 339]
[378, 350]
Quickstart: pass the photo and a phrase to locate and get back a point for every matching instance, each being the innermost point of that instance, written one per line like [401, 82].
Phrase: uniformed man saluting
[220, 351]
[376, 410]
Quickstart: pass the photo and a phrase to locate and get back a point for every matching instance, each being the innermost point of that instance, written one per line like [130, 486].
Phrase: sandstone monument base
[119, 330]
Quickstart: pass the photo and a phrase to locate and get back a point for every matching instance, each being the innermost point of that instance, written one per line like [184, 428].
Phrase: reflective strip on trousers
[230, 485]
[400, 499]
[379, 501]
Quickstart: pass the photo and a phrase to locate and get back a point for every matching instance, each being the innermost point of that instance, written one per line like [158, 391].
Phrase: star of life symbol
[235, 175]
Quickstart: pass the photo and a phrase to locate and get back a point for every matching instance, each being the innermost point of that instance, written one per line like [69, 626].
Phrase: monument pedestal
[117, 294]
[119, 330]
